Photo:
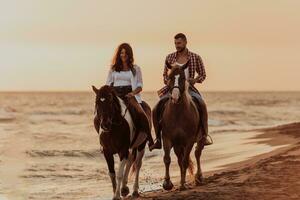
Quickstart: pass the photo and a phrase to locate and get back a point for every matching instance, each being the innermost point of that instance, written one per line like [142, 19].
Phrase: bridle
[113, 122]
[181, 91]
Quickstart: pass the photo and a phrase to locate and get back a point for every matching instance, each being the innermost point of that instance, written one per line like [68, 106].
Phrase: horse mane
[186, 91]
[116, 103]
[173, 71]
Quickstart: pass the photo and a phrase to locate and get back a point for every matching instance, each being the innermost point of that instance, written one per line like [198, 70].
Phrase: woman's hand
[130, 94]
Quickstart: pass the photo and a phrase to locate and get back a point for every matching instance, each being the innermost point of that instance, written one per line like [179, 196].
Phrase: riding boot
[157, 116]
[204, 119]
[157, 128]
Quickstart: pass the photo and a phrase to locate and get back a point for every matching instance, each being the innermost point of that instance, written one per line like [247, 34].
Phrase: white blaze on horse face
[175, 91]
[102, 99]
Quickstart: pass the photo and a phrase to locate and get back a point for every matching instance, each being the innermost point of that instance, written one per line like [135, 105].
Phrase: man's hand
[192, 81]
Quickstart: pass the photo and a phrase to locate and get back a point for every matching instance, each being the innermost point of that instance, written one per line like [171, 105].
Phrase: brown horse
[114, 124]
[180, 124]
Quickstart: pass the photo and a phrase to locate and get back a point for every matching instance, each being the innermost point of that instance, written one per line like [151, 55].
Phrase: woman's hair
[117, 62]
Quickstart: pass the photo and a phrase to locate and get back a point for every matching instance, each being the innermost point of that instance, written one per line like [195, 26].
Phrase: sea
[49, 148]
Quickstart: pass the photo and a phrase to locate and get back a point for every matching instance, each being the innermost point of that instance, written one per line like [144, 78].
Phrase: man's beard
[180, 50]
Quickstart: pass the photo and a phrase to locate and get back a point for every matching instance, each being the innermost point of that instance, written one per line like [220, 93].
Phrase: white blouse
[124, 78]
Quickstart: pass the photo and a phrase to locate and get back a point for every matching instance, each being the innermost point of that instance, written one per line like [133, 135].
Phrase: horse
[181, 128]
[115, 127]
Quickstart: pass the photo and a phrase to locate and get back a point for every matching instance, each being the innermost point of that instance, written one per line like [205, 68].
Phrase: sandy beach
[275, 175]
[50, 150]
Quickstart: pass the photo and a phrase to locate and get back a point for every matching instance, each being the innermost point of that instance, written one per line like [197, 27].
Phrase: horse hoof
[168, 185]
[199, 180]
[116, 198]
[124, 191]
[135, 194]
[183, 187]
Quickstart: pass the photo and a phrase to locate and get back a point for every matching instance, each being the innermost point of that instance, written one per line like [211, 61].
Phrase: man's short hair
[180, 35]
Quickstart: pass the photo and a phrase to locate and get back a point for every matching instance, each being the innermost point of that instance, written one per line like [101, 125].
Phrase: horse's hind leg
[110, 163]
[138, 165]
[183, 155]
[179, 153]
[185, 164]
[167, 184]
[125, 189]
[198, 151]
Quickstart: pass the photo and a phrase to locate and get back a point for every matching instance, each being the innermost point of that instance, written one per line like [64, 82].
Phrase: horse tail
[191, 166]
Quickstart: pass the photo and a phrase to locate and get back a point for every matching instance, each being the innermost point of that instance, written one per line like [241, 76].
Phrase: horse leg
[185, 164]
[110, 163]
[138, 165]
[120, 175]
[125, 189]
[198, 151]
[167, 184]
[179, 153]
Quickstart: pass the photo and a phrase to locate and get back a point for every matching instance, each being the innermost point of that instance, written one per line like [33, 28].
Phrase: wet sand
[274, 175]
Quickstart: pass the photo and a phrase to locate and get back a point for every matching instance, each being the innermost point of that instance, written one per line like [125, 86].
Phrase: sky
[62, 45]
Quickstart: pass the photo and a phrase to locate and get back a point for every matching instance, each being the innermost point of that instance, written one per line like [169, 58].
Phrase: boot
[156, 145]
[144, 126]
[205, 126]
[204, 122]
[140, 120]
[207, 141]
[156, 116]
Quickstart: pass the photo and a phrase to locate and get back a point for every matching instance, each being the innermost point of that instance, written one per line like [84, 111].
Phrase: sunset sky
[69, 44]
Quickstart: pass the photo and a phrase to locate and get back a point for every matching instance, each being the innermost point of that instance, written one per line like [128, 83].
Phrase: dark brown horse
[114, 124]
[180, 127]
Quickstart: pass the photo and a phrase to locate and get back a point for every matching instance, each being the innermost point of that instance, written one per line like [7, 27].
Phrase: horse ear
[95, 89]
[168, 65]
[185, 65]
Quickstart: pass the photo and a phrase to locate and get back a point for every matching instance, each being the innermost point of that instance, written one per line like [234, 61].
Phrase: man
[182, 55]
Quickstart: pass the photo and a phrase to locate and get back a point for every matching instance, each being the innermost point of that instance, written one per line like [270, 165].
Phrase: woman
[126, 79]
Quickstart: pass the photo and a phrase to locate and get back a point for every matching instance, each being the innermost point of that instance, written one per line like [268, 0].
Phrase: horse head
[177, 80]
[107, 106]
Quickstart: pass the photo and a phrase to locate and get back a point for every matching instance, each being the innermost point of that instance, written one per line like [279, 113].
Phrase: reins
[113, 123]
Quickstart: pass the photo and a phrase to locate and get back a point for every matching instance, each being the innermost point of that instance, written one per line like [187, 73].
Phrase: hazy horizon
[150, 91]
[68, 45]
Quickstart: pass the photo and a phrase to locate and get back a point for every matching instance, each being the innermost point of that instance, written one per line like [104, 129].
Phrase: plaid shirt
[195, 65]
